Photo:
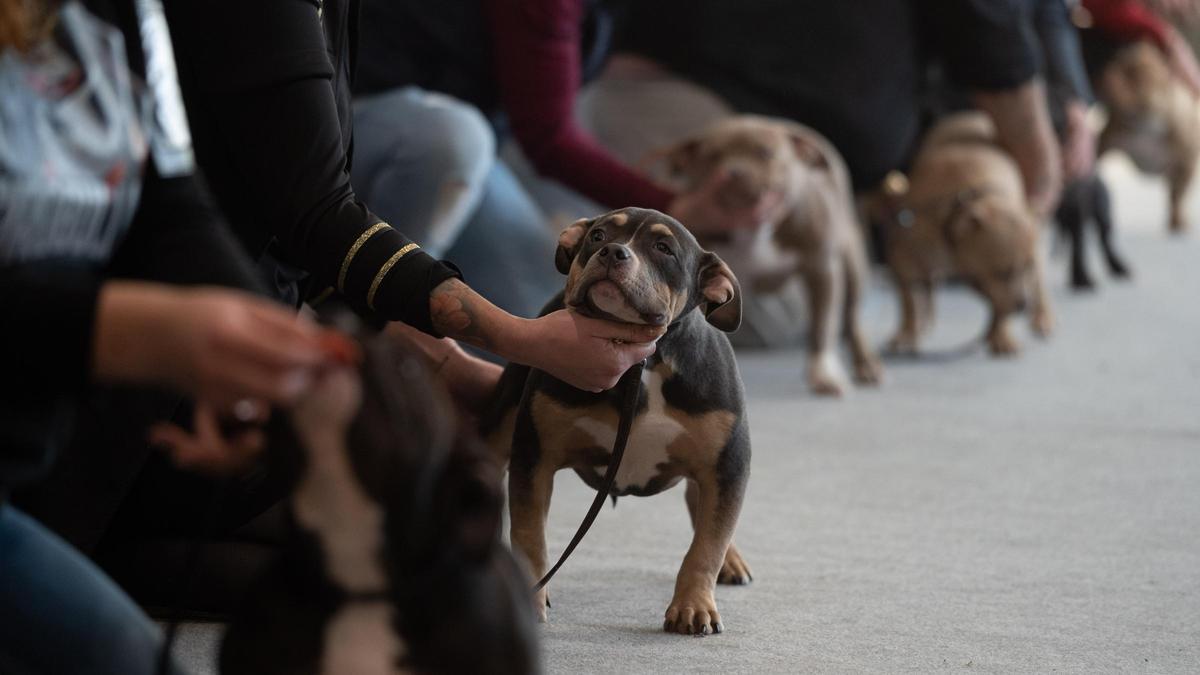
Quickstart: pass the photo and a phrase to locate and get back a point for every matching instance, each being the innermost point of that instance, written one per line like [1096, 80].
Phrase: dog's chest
[665, 443]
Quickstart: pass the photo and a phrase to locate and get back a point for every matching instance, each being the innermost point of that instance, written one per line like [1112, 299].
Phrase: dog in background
[962, 212]
[1085, 201]
[1153, 118]
[817, 237]
[640, 266]
[392, 561]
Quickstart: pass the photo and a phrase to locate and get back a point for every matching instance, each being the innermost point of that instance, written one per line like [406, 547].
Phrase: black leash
[630, 385]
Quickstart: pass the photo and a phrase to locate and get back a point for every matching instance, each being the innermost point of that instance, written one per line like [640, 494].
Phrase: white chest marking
[653, 431]
[330, 502]
[360, 640]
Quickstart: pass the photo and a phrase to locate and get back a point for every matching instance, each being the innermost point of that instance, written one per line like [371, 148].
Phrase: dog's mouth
[605, 298]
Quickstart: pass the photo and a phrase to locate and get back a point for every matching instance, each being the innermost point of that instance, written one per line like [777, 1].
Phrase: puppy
[640, 266]
[1085, 201]
[1153, 118]
[963, 212]
[393, 554]
[816, 236]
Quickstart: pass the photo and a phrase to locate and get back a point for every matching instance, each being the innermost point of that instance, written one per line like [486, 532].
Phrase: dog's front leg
[1178, 181]
[999, 337]
[529, 495]
[906, 337]
[693, 609]
[826, 286]
[734, 570]
[1042, 318]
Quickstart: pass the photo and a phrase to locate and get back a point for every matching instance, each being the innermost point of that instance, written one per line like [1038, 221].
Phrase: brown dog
[1154, 119]
[963, 212]
[817, 235]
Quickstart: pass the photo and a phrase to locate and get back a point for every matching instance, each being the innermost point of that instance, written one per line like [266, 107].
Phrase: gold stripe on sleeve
[358, 243]
[387, 267]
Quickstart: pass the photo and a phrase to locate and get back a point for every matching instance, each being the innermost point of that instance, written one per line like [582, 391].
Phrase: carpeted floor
[1040, 514]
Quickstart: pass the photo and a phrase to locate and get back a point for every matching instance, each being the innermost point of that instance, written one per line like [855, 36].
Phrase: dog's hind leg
[867, 368]
[908, 334]
[1102, 214]
[734, 571]
[825, 284]
[1178, 181]
[1042, 316]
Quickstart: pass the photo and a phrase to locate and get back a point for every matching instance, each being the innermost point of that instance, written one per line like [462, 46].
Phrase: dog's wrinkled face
[758, 155]
[994, 248]
[641, 266]
[1138, 80]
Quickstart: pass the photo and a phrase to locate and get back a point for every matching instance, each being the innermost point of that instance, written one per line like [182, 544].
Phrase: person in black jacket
[107, 242]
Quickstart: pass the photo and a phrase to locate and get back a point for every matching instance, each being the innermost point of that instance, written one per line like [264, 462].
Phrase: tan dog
[963, 212]
[1154, 119]
[817, 235]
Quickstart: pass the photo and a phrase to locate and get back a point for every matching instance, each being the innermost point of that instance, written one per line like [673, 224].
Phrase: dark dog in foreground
[640, 266]
[393, 561]
[1085, 201]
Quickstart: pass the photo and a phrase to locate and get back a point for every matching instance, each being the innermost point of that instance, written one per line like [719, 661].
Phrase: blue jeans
[426, 163]
[420, 160]
[60, 614]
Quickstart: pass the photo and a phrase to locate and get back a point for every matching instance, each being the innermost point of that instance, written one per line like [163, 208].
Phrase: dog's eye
[663, 248]
[597, 235]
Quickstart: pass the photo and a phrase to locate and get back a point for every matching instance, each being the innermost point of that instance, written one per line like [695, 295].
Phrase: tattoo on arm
[457, 312]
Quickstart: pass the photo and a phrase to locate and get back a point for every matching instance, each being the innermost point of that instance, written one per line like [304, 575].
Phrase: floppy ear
[809, 152]
[720, 294]
[964, 219]
[568, 244]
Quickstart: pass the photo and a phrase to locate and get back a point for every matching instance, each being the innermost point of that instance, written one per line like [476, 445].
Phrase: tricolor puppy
[640, 266]
[393, 557]
[816, 235]
[1154, 119]
[962, 212]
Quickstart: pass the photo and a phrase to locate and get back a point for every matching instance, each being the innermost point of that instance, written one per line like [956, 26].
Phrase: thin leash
[630, 385]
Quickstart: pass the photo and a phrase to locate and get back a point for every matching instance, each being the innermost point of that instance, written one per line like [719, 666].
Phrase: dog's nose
[614, 254]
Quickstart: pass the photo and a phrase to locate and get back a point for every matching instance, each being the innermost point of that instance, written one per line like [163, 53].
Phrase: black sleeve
[179, 237]
[260, 92]
[984, 44]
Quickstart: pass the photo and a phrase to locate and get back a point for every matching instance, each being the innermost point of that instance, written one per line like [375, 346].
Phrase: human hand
[219, 346]
[1079, 143]
[586, 353]
[470, 380]
[208, 448]
[703, 212]
[1182, 60]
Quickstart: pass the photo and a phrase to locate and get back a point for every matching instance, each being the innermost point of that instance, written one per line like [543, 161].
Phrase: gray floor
[1031, 515]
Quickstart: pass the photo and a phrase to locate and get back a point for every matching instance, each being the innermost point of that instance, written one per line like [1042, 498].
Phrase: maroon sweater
[537, 55]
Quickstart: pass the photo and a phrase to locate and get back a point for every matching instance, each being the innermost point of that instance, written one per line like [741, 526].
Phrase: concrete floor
[1030, 515]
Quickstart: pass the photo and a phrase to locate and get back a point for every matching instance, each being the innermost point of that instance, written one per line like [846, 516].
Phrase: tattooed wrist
[457, 311]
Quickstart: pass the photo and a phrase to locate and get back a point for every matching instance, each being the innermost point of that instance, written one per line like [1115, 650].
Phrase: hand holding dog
[586, 353]
[705, 213]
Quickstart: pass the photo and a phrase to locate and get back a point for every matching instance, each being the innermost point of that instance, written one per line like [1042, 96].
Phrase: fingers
[205, 448]
[625, 332]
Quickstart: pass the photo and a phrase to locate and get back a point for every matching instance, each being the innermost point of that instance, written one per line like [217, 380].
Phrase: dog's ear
[568, 244]
[720, 294]
[965, 219]
[808, 151]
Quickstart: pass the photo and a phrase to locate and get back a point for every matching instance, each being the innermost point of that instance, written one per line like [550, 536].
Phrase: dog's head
[759, 155]
[394, 497]
[641, 266]
[1138, 81]
[993, 245]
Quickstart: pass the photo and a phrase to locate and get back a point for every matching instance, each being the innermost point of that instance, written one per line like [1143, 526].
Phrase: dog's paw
[1082, 282]
[1043, 323]
[1177, 225]
[693, 613]
[541, 605]
[868, 371]
[1002, 343]
[734, 571]
[825, 386]
[1119, 269]
[902, 343]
